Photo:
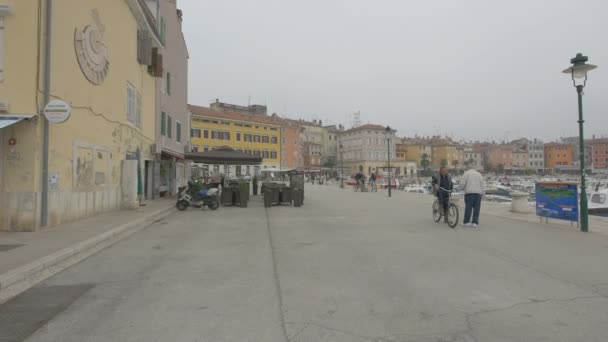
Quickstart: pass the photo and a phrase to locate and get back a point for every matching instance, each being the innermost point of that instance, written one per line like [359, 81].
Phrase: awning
[223, 156]
[9, 119]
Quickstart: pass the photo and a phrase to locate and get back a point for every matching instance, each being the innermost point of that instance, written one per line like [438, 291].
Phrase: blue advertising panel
[557, 200]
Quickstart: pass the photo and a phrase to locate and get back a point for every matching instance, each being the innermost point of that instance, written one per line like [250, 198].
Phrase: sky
[470, 69]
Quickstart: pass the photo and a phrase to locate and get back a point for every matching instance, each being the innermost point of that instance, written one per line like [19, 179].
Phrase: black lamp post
[341, 168]
[388, 148]
[578, 71]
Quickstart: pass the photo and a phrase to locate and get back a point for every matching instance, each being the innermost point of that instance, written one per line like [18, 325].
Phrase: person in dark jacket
[443, 180]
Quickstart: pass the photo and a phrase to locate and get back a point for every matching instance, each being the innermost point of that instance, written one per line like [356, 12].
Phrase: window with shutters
[273, 155]
[178, 131]
[206, 134]
[256, 138]
[195, 148]
[163, 123]
[265, 139]
[195, 133]
[168, 83]
[163, 30]
[265, 154]
[238, 136]
[216, 135]
[169, 124]
[248, 137]
[274, 140]
[226, 135]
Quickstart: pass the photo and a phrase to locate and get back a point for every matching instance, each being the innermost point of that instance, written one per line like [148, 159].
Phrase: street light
[341, 168]
[578, 71]
[388, 148]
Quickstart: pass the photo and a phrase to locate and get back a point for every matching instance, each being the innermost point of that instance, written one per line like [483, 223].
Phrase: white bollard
[520, 202]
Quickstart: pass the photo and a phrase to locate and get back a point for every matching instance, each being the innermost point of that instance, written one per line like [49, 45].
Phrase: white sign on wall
[57, 111]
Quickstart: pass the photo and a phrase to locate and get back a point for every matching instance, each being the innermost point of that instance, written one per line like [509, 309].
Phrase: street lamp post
[388, 148]
[578, 71]
[341, 168]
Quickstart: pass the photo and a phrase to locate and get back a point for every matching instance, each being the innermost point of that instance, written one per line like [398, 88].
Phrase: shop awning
[9, 119]
[223, 156]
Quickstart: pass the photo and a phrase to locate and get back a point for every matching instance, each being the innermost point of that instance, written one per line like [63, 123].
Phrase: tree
[424, 162]
[470, 162]
[444, 163]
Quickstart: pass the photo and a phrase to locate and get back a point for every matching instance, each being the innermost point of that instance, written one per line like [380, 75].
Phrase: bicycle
[453, 213]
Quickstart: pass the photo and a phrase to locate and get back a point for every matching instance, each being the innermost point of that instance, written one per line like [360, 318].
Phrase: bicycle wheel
[453, 215]
[437, 211]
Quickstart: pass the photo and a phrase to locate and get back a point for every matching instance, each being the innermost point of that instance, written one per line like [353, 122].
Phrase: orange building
[291, 144]
[558, 155]
[498, 155]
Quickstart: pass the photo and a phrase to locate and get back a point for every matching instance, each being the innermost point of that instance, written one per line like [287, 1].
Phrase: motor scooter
[201, 199]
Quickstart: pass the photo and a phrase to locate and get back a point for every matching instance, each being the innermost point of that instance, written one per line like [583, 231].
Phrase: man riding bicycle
[442, 184]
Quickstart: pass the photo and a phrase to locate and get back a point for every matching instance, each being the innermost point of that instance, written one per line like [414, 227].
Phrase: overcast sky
[470, 68]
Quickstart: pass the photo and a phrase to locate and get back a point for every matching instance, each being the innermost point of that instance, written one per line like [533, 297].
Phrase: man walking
[372, 182]
[473, 185]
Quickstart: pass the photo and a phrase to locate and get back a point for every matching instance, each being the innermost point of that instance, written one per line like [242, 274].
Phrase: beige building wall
[86, 152]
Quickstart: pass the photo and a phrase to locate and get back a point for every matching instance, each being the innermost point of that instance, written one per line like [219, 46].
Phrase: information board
[557, 200]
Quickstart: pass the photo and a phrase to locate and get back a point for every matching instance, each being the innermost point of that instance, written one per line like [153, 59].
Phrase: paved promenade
[345, 267]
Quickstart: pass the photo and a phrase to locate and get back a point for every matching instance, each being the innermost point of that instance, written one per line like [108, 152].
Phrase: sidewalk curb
[19, 279]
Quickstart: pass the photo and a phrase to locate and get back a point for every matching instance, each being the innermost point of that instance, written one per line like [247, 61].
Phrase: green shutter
[163, 126]
[169, 126]
[178, 132]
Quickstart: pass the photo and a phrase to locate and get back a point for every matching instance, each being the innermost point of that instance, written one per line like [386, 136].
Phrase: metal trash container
[287, 195]
[267, 199]
[298, 198]
[227, 196]
[275, 195]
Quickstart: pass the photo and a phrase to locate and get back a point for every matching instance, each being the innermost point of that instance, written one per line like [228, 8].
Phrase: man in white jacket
[473, 185]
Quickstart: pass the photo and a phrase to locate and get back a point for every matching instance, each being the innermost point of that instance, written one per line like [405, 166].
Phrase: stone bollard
[519, 202]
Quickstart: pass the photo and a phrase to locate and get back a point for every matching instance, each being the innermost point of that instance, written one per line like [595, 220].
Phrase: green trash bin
[267, 198]
[287, 195]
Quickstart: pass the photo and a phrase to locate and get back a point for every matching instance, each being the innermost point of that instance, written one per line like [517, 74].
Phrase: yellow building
[413, 150]
[257, 135]
[95, 66]
[445, 153]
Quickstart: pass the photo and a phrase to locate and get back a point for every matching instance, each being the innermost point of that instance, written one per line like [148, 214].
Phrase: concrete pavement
[28, 258]
[344, 267]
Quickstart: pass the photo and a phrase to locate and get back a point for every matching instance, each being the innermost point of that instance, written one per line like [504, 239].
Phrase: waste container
[267, 198]
[227, 194]
[298, 197]
[287, 195]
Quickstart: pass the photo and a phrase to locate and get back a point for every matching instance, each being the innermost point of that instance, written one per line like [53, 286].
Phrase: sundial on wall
[91, 53]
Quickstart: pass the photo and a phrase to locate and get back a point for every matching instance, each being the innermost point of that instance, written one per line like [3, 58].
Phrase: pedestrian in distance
[372, 182]
[442, 184]
[473, 185]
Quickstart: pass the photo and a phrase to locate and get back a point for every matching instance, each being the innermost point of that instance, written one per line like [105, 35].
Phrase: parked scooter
[200, 199]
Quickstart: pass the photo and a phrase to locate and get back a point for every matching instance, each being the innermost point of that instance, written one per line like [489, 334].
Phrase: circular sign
[57, 111]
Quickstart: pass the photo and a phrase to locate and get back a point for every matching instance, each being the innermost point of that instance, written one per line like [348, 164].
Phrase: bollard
[519, 202]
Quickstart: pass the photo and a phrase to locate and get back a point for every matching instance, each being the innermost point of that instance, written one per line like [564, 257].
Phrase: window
[273, 155]
[195, 133]
[248, 152]
[265, 139]
[163, 30]
[168, 126]
[248, 126]
[206, 148]
[215, 122]
[256, 138]
[226, 136]
[247, 137]
[216, 135]
[163, 123]
[256, 153]
[226, 123]
[195, 148]
[238, 136]
[265, 127]
[206, 134]
[178, 131]
[265, 154]
[273, 128]
[284, 141]
[238, 124]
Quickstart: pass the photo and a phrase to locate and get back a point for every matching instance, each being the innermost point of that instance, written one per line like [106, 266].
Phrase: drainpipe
[44, 214]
